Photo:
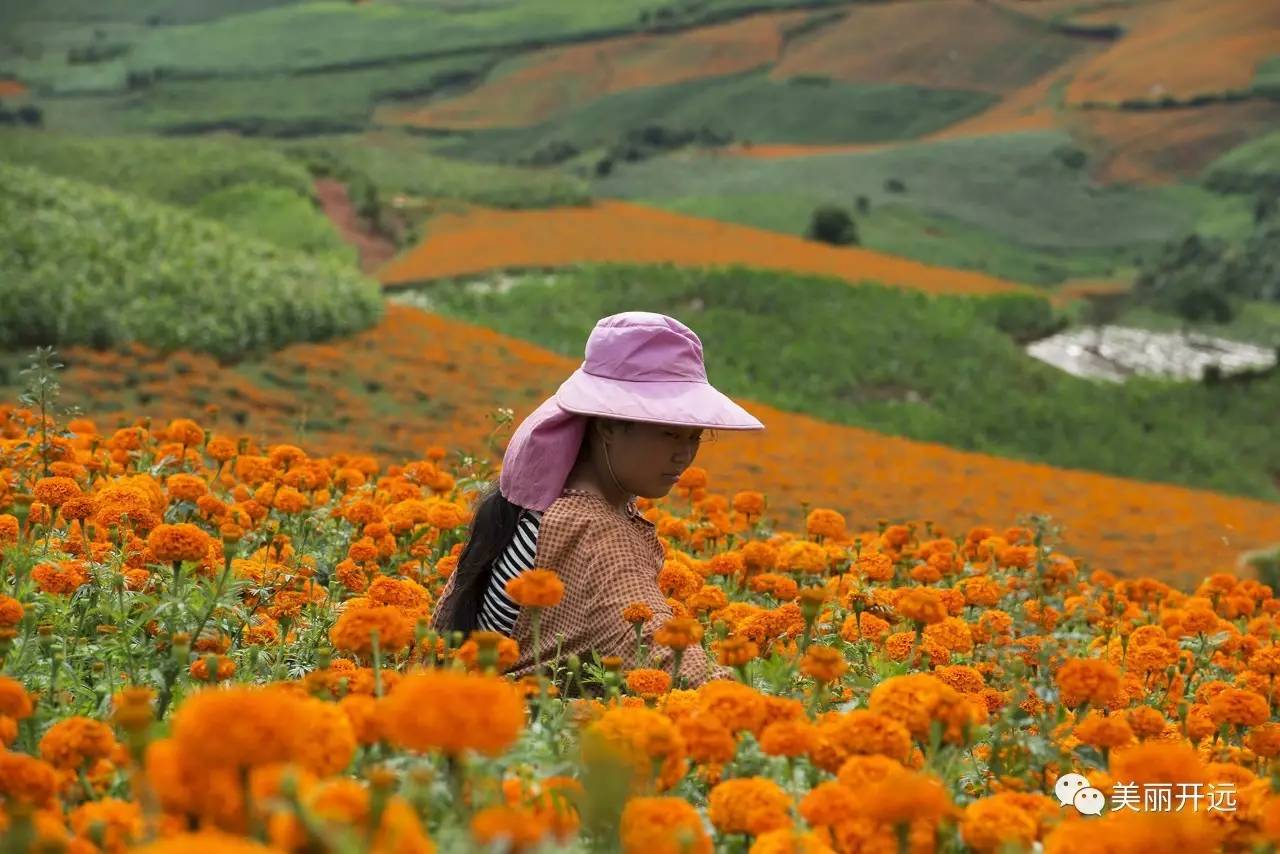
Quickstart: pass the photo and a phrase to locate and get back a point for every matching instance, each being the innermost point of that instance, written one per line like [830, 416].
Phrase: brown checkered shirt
[606, 561]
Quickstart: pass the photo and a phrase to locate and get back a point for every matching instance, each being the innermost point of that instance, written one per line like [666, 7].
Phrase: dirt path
[375, 249]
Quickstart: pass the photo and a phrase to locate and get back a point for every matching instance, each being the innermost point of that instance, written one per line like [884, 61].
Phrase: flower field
[209, 643]
[527, 90]
[1182, 49]
[483, 240]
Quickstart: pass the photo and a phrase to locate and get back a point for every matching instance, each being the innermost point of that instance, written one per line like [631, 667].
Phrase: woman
[626, 423]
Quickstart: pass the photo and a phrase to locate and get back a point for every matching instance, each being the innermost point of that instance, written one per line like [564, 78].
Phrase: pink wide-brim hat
[639, 366]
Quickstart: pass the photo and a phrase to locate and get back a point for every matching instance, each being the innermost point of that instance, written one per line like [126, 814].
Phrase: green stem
[213, 603]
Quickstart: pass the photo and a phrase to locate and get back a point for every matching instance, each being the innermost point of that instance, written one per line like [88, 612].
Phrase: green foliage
[832, 224]
[1267, 80]
[396, 163]
[280, 216]
[85, 265]
[751, 107]
[327, 33]
[1205, 278]
[280, 105]
[970, 387]
[248, 187]
[911, 232]
[179, 172]
[1013, 187]
[1248, 168]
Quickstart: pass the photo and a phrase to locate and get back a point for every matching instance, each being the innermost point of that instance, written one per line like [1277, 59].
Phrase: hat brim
[685, 403]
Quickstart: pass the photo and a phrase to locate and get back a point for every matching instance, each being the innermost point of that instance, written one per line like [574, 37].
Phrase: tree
[834, 225]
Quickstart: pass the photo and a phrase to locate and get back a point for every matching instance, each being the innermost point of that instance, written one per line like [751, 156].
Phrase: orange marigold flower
[115, 823]
[11, 611]
[1158, 762]
[637, 613]
[735, 651]
[921, 605]
[60, 579]
[452, 712]
[1087, 680]
[15, 702]
[239, 726]
[224, 669]
[640, 738]
[662, 826]
[748, 503]
[786, 840]
[804, 557]
[707, 740]
[823, 522]
[823, 663]
[648, 682]
[739, 707]
[536, 588]
[994, 822]
[1104, 731]
[26, 779]
[788, 738]
[55, 491]
[72, 742]
[827, 803]
[918, 699]
[1264, 740]
[860, 732]
[355, 628]
[1238, 707]
[751, 805]
[678, 633]
[875, 566]
[183, 541]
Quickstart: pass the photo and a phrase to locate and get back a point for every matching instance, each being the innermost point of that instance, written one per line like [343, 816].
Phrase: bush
[1023, 317]
[834, 225]
[86, 265]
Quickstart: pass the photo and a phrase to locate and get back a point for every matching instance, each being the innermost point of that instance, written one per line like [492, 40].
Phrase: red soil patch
[436, 379]
[1082, 288]
[375, 249]
[1164, 146]
[531, 89]
[11, 89]
[949, 44]
[484, 240]
[1183, 48]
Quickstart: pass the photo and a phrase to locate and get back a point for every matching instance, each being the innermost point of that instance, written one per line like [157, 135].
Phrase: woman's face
[648, 458]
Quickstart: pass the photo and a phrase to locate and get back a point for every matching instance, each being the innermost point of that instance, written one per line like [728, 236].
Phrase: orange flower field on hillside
[533, 88]
[432, 377]
[11, 89]
[210, 644]
[1164, 146]
[948, 44]
[1182, 48]
[483, 240]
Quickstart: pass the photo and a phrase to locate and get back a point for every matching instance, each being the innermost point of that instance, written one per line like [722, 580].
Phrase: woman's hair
[492, 528]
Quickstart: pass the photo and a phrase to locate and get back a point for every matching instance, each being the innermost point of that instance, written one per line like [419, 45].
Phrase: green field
[1248, 168]
[83, 264]
[1016, 188]
[287, 37]
[748, 107]
[276, 104]
[247, 187]
[403, 163]
[841, 353]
